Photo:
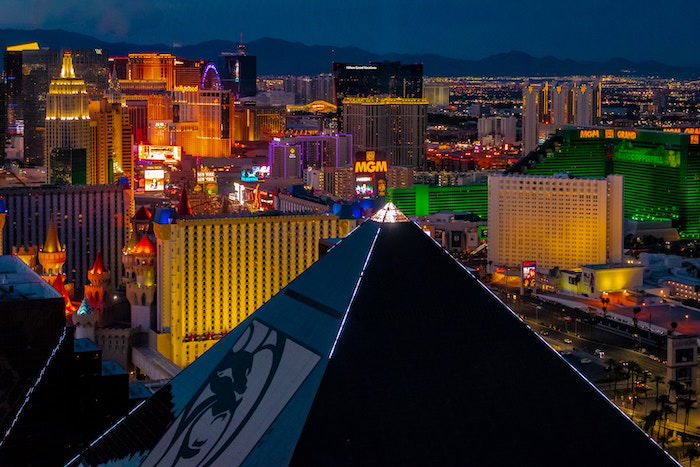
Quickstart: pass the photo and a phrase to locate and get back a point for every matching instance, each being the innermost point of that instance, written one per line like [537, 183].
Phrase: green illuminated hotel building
[661, 171]
[424, 200]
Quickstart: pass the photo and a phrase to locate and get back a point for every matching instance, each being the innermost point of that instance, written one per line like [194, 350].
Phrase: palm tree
[666, 410]
[618, 373]
[692, 453]
[650, 420]
[658, 379]
[687, 404]
[678, 389]
[610, 362]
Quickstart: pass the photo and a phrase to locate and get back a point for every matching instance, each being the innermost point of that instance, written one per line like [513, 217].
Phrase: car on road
[599, 353]
[568, 341]
[544, 332]
[585, 360]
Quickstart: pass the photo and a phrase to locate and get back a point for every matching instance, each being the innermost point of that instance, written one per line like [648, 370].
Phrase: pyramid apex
[389, 213]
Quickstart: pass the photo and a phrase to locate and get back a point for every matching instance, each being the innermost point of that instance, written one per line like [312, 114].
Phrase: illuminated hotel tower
[67, 114]
[152, 67]
[535, 113]
[214, 271]
[113, 140]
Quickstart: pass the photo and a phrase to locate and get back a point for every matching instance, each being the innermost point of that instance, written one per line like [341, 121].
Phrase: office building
[497, 131]
[660, 169]
[67, 114]
[89, 219]
[213, 272]
[394, 128]
[238, 72]
[352, 336]
[556, 221]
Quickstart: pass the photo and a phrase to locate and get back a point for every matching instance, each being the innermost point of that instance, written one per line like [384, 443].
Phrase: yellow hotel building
[215, 271]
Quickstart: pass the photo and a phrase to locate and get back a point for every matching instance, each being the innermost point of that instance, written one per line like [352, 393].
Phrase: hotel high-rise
[67, 115]
[89, 218]
[556, 221]
[394, 128]
[213, 272]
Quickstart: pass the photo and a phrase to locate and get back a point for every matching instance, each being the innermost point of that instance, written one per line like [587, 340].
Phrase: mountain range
[281, 57]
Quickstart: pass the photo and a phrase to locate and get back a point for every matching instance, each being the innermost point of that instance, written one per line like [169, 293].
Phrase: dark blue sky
[580, 29]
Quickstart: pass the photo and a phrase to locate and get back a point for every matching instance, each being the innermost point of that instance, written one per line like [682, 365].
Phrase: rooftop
[111, 368]
[603, 267]
[19, 282]
[84, 345]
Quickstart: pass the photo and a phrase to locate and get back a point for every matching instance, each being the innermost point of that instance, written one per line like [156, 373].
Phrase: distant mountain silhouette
[280, 57]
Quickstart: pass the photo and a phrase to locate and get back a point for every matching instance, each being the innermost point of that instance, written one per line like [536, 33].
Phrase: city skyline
[228, 249]
[392, 27]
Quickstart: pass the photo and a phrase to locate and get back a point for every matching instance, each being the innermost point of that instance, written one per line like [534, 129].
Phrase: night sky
[593, 29]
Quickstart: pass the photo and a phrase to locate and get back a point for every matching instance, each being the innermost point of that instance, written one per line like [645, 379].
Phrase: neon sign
[589, 134]
[370, 166]
[625, 134]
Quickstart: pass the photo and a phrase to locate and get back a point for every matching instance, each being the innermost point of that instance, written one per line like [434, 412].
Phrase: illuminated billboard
[165, 154]
[370, 176]
[205, 176]
[528, 273]
[257, 172]
[154, 179]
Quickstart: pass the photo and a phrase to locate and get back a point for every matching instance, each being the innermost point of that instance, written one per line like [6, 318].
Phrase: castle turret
[96, 291]
[27, 254]
[60, 288]
[140, 265]
[52, 255]
[84, 320]
[142, 221]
